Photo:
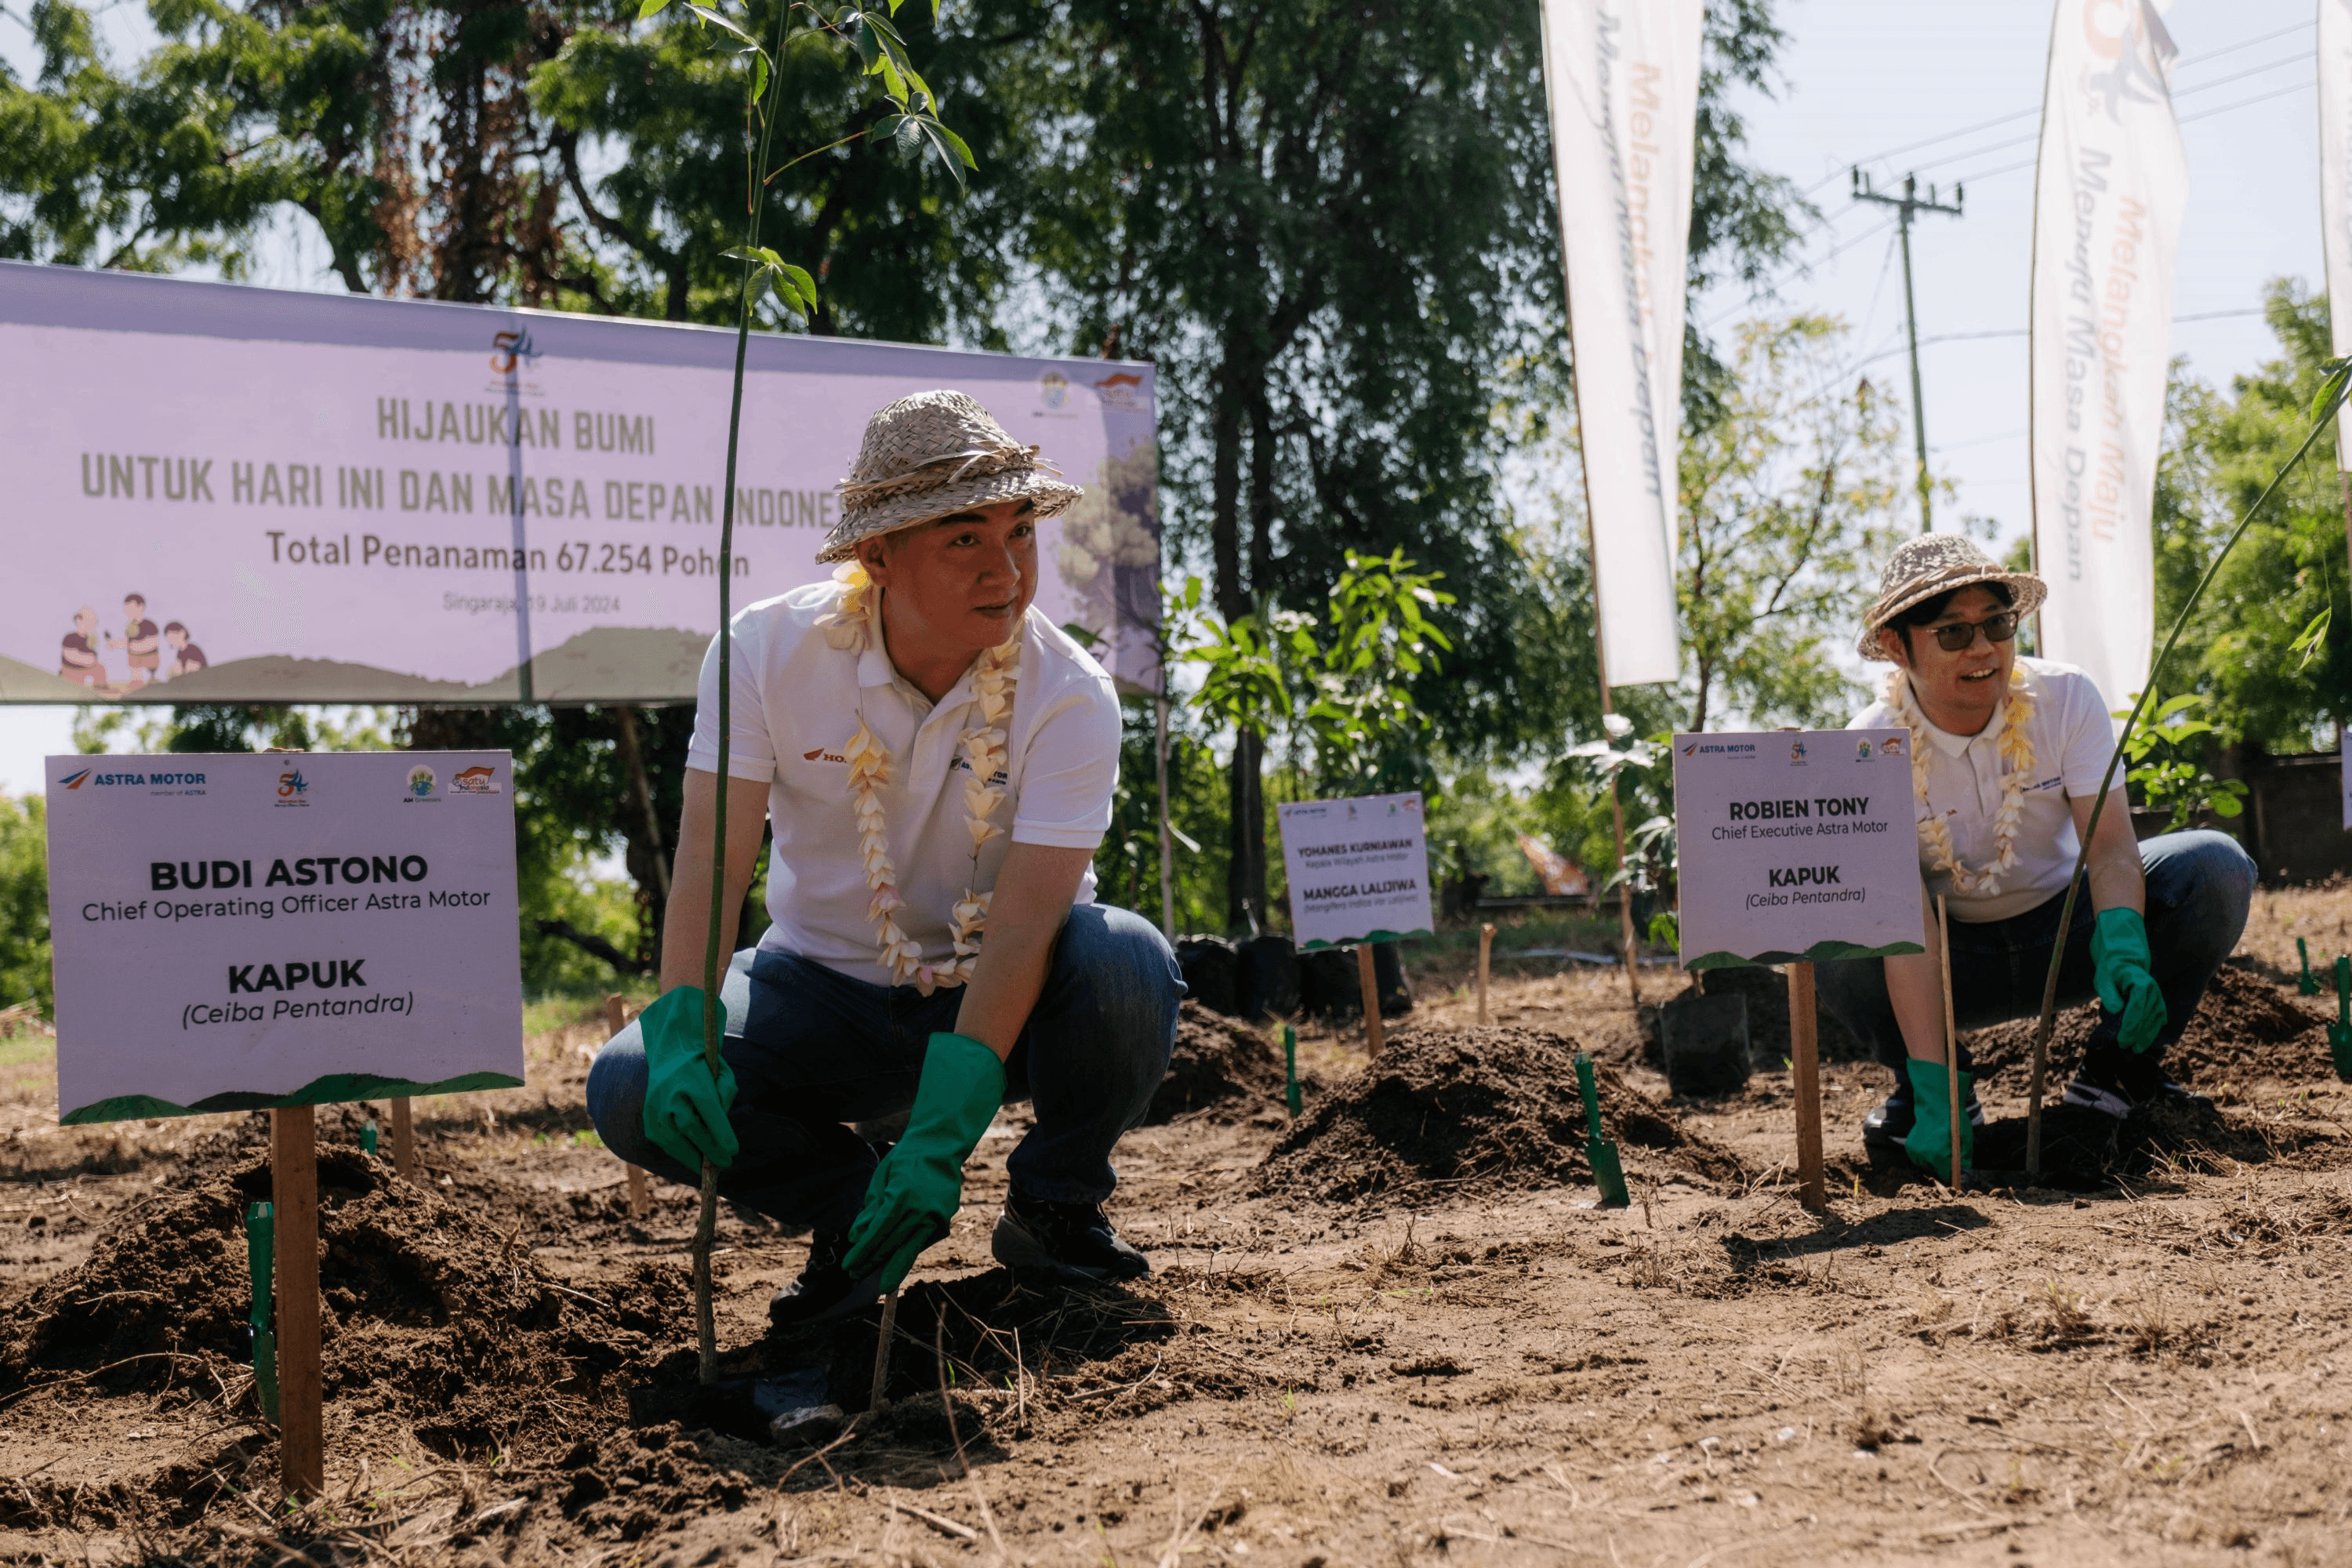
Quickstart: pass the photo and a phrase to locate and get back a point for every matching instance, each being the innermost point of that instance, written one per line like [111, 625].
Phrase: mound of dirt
[1219, 1065]
[2248, 1028]
[431, 1316]
[1483, 1110]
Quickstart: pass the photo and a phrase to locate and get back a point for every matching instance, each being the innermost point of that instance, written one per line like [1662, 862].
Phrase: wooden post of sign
[1805, 1071]
[1959, 1113]
[403, 1141]
[294, 1190]
[1485, 952]
[616, 1018]
[1369, 979]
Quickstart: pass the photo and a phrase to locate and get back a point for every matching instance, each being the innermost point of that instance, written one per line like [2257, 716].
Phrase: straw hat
[931, 454]
[1937, 563]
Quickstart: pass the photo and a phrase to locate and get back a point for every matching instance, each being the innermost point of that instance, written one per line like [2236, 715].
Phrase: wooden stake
[294, 1193]
[1369, 979]
[1805, 1071]
[616, 1018]
[1951, 1037]
[1485, 952]
[403, 1141]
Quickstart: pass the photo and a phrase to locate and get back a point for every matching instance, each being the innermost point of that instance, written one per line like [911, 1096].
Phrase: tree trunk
[1246, 862]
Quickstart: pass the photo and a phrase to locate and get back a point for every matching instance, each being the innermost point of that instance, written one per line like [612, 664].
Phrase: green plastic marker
[2309, 982]
[1608, 1171]
[260, 1231]
[2339, 1033]
[1290, 1093]
[367, 1137]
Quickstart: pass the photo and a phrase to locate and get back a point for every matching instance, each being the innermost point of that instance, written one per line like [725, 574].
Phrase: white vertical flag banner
[2108, 198]
[2336, 180]
[1623, 80]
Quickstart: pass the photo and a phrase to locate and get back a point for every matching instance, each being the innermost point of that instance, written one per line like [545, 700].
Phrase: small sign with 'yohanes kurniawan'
[1797, 844]
[1359, 869]
[236, 932]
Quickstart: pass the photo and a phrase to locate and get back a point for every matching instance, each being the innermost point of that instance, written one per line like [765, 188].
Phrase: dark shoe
[1073, 1241]
[2113, 1080]
[1884, 1129]
[2117, 1094]
[826, 1292]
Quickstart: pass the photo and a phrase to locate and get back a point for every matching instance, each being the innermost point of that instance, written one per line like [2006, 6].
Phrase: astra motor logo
[1721, 748]
[293, 789]
[75, 781]
[476, 780]
[509, 348]
[422, 781]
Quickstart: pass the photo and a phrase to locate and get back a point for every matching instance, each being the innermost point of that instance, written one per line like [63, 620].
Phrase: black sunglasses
[1962, 635]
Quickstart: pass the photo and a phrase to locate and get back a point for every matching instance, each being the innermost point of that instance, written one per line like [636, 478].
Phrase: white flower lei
[849, 627]
[2016, 750]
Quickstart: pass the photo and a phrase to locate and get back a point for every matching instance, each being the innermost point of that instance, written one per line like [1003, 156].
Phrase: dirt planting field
[1392, 1332]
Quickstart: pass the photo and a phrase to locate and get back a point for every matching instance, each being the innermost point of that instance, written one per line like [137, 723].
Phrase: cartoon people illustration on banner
[138, 642]
[78, 659]
[186, 657]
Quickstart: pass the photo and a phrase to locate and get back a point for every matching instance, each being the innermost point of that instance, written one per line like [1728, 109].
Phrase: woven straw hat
[933, 454]
[1937, 563]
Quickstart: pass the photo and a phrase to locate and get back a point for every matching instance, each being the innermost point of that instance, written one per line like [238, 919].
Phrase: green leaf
[2335, 373]
[648, 9]
[707, 14]
[760, 79]
[2314, 638]
[799, 280]
[956, 142]
[759, 255]
[2226, 805]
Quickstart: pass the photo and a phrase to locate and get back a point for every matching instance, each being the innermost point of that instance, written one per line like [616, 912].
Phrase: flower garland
[849, 627]
[2016, 750]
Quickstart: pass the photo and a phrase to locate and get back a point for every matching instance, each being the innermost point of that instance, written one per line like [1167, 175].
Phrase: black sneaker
[1073, 1241]
[1884, 1129]
[826, 1292]
[2117, 1094]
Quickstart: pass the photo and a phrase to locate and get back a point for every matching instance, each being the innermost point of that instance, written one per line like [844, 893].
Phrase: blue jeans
[813, 1048]
[2199, 888]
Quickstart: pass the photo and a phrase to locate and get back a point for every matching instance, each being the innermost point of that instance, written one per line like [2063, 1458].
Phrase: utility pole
[1905, 205]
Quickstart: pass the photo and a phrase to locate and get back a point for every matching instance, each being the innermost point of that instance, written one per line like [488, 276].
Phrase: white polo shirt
[797, 701]
[2072, 736]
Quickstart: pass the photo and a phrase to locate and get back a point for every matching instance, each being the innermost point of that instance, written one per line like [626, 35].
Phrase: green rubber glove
[1929, 1144]
[2125, 976]
[918, 1187]
[686, 1109]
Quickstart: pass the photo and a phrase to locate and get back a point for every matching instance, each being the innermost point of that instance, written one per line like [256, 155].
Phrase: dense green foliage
[24, 904]
[2220, 450]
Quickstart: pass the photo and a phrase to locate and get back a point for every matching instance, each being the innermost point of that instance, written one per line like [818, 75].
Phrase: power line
[1824, 182]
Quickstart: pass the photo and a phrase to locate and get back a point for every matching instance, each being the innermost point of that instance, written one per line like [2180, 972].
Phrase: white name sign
[1797, 844]
[234, 932]
[1359, 869]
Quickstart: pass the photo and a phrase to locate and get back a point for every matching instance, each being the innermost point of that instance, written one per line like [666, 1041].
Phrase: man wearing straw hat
[2007, 756]
[937, 762]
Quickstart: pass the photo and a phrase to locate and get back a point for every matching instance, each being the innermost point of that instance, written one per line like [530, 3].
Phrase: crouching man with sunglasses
[2007, 756]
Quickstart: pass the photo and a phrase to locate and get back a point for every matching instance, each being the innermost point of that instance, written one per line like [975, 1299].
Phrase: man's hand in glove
[919, 1184]
[1929, 1143]
[2125, 976]
[685, 1107]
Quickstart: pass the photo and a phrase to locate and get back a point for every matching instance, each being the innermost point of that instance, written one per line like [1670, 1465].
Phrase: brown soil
[1492, 1109]
[1331, 1366]
[1221, 1066]
[2249, 1029]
